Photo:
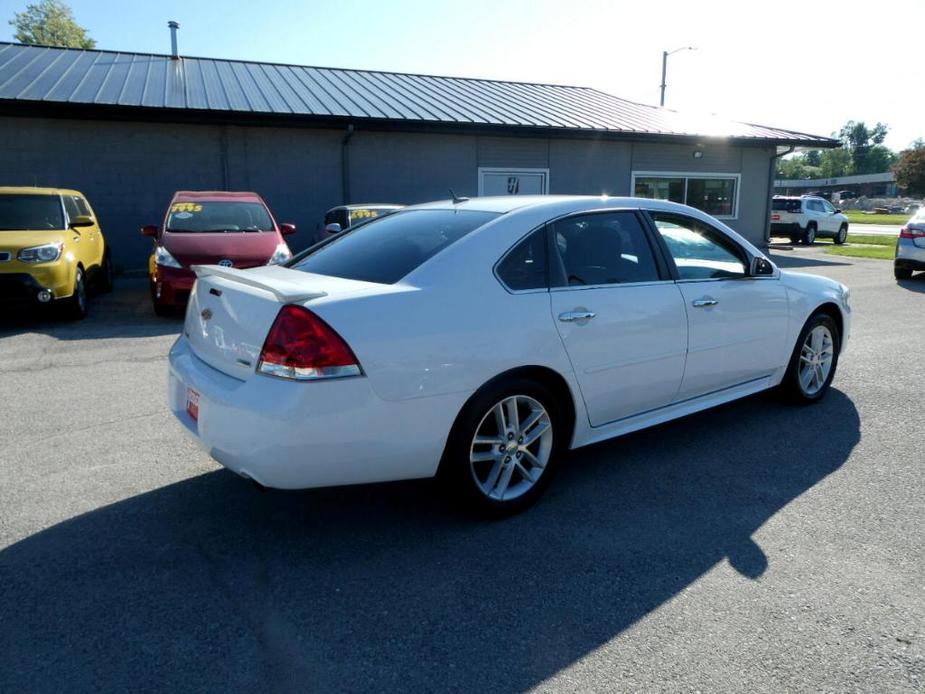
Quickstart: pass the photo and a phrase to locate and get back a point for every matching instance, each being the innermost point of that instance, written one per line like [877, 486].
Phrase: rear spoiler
[285, 292]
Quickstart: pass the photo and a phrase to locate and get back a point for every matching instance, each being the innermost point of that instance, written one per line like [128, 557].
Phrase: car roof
[368, 205]
[34, 190]
[215, 196]
[557, 204]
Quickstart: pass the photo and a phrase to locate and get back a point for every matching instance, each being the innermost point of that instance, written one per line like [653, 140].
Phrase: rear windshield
[218, 217]
[30, 212]
[779, 205]
[386, 249]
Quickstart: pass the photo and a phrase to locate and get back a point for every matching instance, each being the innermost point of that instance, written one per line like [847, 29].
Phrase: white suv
[806, 218]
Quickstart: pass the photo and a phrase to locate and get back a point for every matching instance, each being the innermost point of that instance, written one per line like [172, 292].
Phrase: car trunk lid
[785, 211]
[231, 311]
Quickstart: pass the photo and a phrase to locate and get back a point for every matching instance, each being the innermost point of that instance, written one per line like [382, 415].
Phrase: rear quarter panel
[427, 341]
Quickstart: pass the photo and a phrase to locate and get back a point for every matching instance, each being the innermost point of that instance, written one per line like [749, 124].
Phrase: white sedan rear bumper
[295, 435]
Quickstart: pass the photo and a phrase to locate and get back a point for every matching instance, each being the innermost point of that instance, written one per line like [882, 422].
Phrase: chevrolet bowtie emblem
[206, 314]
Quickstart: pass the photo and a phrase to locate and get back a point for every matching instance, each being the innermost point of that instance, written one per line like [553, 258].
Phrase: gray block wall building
[129, 129]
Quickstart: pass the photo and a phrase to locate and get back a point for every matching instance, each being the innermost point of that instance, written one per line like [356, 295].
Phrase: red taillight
[302, 346]
[775, 217]
[907, 233]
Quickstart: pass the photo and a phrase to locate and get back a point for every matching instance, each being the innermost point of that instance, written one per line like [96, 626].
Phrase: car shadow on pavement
[209, 584]
[790, 261]
[126, 312]
[916, 284]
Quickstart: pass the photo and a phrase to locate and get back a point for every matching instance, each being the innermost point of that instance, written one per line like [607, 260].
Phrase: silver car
[910, 247]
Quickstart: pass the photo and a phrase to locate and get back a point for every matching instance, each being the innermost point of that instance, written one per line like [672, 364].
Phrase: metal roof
[44, 75]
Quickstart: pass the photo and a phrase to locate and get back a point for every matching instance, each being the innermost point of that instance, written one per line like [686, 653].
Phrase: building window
[715, 194]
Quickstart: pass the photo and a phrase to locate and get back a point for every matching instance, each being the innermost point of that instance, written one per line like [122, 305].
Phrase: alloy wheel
[511, 448]
[816, 357]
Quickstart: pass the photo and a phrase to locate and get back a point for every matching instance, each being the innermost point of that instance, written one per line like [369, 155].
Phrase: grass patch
[872, 240]
[866, 246]
[858, 217]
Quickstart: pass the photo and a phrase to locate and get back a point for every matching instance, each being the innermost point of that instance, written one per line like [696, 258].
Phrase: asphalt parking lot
[756, 547]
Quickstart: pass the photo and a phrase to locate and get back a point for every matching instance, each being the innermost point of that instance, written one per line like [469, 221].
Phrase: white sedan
[477, 340]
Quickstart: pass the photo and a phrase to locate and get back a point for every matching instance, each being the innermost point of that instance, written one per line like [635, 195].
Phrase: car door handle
[703, 303]
[572, 316]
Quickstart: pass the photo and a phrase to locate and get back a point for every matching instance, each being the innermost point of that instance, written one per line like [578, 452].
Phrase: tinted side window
[524, 267]
[699, 251]
[83, 206]
[336, 217]
[606, 248]
[386, 249]
[71, 207]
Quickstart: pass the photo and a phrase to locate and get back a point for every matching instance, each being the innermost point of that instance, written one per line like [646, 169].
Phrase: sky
[806, 66]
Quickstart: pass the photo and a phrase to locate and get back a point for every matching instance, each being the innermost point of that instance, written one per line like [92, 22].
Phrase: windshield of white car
[386, 249]
[217, 217]
[30, 211]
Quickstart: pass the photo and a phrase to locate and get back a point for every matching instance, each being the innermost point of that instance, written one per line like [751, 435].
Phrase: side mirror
[761, 267]
[837, 211]
[332, 228]
[82, 220]
[149, 230]
[286, 229]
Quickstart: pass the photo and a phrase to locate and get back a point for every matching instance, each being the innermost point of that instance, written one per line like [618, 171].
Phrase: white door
[831, 222]
[622, 322]
[513, 181]
[737, 325]
[816, 213]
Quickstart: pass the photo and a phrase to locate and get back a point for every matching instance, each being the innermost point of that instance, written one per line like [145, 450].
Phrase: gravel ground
[756, 547]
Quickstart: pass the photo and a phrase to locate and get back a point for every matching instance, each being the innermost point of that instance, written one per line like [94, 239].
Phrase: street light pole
[665, 55]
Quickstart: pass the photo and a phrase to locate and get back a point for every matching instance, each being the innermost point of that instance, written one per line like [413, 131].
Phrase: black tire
[794, 240]
[792, 386]
[163, 310]
[459, 475]
[75, 306]
[842, 235]
[809, 236]
[902, 273]
[106, 281]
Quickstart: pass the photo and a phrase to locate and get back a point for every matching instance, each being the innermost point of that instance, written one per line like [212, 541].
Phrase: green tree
[835, 162]
[791, 168]
[813, 157]
[50, 23]
[910, 171]
[868, 154]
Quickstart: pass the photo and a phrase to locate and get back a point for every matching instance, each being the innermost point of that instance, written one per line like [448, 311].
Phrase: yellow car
[51, 249]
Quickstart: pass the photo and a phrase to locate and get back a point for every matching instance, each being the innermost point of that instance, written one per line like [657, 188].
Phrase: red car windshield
[217, 217]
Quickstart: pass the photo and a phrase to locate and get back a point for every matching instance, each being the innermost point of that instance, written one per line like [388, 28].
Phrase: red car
[210, 228]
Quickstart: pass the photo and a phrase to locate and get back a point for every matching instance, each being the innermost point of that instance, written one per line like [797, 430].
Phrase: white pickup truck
[806, 218]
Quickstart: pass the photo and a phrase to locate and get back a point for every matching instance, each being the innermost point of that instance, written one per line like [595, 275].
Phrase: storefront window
[660, 188]
[714, 195]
